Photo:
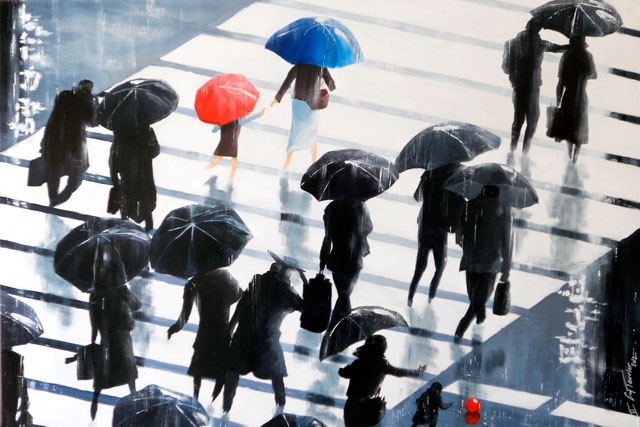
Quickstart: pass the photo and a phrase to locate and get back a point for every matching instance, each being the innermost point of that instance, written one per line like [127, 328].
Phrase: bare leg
[94, 403]
[287, 160]
[314, 152]
[421, 266]
[215, 162]
[576, 151]
[234, 167]
[440, 260]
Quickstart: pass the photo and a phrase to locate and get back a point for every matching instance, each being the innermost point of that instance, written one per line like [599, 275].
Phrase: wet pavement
[543, 364]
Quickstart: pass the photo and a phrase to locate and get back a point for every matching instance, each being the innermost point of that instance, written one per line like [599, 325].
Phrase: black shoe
[457, 339]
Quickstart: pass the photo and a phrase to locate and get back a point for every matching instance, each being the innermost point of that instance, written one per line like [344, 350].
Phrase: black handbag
[554, 122]
[373, 410]
[89, 361]
[502, 299]
[316, 304]
[37, 172]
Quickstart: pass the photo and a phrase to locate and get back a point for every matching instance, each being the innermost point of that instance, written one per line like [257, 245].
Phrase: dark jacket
[366, 374]
[522, 58]
[428, 405]
[308, 80]
[347, 225]
[440, 207]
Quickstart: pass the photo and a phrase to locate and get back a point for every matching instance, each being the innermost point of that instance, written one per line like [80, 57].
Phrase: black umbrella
[348, 174]
[198, 238]
[292, 420]
[515, 189]
[20, 323]
[137, 103]
[160, 407]
[102, 253]
[445, 143]
[360, 323]
[593, 18]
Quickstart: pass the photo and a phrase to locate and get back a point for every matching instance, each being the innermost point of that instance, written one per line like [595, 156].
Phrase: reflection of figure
[576, 67]
[255, 345]
[522, 61]
[131, 168]
[64, 145]
[293, 228]
[428, 405]
[110, 314]
[14, 391]
[486, 238]
[439, 215]
[304, 126]
[228, 145]
[366, 375]
[214, 292]
[347, 225]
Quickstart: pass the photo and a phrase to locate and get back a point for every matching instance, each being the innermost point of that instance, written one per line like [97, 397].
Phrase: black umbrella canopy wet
[293, 420]
[349, 174]
[136, 104]
[198, 238]
[102, 253]
[159, 407]
[515, 188]
[445, 143]
[20, 323]
[589, 18]
[356, 326]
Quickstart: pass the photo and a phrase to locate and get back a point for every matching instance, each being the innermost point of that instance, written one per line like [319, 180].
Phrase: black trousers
[430, 238]
[344, 282]
[526, 106]
[53, 184]
[479, 288]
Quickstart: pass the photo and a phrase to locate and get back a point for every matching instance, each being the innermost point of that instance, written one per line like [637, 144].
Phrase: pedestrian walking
[131, 169]
[305, 106]
[575, 69]
[15, 398]
[255, 344]
[347, 225]
[214, 292]
[428, 405]
[522, 61]
[485, 235]
[64, 144]
[110, 314]
[439, 215]
[366, 375]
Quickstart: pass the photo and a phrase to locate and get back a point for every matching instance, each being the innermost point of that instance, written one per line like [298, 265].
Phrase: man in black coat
[64, 145]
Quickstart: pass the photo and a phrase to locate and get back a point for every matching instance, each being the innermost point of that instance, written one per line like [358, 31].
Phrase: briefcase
[555, 122]
[37, 172]
[316, 304]
[502, 299]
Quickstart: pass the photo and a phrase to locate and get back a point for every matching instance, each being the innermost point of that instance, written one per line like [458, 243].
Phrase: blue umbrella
[324, 42]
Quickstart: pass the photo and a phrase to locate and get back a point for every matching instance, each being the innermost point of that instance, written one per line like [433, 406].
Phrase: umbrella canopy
[136, 104]
[20, 323]
[198, 238]
[292, 420]
[515, 189]
[360, 323]
[102, 253]
[324, 42]
[592, 18]
[348, 174]
[445, 143]
[225, 98]
[158, 406]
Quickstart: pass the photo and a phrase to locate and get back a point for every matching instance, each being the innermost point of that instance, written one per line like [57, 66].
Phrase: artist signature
[627, 376]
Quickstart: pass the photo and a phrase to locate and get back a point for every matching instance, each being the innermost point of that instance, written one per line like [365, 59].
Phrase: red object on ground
[472, 405]
[472, 417]
[225, 98]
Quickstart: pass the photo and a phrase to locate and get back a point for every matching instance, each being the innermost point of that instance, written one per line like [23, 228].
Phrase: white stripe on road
[500, 395]
[594, 415]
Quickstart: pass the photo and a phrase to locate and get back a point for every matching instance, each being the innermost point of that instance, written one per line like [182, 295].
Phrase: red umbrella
[225, 98]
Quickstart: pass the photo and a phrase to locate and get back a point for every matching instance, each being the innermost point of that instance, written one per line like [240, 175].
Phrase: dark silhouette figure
[304, 126]
[347, 225]
[64, 145]
[428, 405]
[255, 345]
[439, 215]
[366, 375]
[131, 170]
[15, 399]
[576, 67]
[110, 314]
[522, 61]
[214, 292]
[485, 235]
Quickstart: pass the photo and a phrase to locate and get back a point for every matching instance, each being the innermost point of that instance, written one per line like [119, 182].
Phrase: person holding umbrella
[255, 344]
[312, 45]
[214, 292]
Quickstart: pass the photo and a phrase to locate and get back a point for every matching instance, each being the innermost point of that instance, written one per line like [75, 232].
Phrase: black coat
[366, 374]
[428, 405]
[440, 207]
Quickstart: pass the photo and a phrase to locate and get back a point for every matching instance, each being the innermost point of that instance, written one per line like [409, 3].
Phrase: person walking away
[366, 375]
[64, 144]
[428, 405]
[439, 215]
[575, 69]
[306, 92]
[347, 225]
[485, 234]
[522, 61]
